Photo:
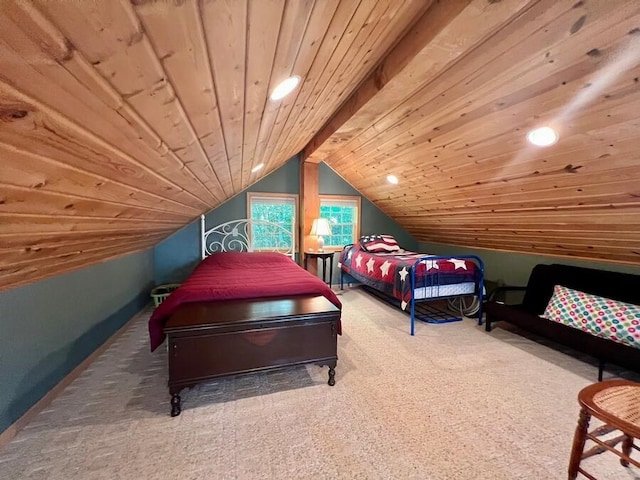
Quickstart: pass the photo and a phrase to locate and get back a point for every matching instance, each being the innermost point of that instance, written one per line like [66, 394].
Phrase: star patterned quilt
[238, 275]
[390, 273]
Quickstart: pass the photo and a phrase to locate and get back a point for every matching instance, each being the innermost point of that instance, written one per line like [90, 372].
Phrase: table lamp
[320, 228]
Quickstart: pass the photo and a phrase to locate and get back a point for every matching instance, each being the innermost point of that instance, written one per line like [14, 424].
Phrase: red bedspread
[237, 275]
[390, 272]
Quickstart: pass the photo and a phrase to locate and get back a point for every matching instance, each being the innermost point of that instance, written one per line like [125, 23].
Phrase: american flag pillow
[379, 243]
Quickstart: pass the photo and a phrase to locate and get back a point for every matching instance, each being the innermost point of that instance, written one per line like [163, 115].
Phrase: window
[279, 208]
[343, 214]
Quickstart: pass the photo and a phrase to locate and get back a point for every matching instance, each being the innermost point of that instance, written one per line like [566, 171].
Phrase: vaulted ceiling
[121, 121]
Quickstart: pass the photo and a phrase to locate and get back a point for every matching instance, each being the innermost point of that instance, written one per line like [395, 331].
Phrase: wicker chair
[617, 404]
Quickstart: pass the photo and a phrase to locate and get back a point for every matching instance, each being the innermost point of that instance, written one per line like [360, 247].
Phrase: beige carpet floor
[453, 402]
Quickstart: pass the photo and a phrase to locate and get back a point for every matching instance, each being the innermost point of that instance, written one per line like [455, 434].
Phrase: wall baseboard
[7, 435]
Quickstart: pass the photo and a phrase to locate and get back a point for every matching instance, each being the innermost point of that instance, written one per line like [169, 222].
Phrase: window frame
[358, 220]
[296, 208]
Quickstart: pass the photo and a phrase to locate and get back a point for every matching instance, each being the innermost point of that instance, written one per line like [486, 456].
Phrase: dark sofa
[618, 286]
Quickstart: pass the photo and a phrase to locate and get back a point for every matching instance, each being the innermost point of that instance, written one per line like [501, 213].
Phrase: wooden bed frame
[214, 339]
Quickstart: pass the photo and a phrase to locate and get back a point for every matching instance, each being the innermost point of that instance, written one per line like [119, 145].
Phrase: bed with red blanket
[409, 277]
[263, 303]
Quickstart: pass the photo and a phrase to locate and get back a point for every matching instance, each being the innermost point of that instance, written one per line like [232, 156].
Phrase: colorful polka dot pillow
[603, 317]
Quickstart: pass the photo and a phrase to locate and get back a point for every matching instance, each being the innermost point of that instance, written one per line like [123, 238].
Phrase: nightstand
[324, 256]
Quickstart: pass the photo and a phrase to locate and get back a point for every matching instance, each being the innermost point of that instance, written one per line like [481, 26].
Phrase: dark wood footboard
[214, 339]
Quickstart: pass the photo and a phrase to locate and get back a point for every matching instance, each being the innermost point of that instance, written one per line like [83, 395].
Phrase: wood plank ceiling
[451, 124]
[121, 121]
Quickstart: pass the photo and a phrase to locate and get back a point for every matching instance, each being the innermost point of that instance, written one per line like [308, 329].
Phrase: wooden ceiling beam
[351, 20]
[428, 26]
[309, 210]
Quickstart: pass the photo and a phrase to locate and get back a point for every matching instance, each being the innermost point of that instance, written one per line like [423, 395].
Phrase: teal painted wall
[176, 256]
[49, 327]
[374, 220]
[514, 268]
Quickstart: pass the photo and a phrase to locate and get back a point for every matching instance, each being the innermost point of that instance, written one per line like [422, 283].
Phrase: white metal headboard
[239, 236]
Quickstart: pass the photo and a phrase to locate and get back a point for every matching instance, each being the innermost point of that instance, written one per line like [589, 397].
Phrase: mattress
[451, 290]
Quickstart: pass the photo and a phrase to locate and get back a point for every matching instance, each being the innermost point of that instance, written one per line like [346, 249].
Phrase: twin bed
[411, 279]
[243, 311]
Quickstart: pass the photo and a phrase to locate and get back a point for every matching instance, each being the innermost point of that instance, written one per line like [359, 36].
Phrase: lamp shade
[320, 227]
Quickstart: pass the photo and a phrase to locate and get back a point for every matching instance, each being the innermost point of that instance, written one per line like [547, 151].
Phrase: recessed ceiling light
[285, 88]
[543, 136]
[392, 179]
[257, 168]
